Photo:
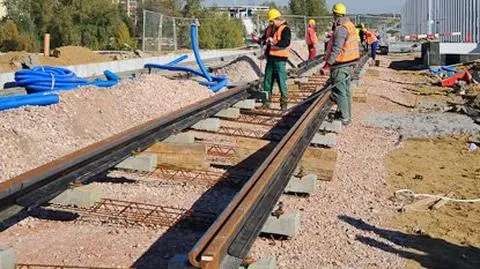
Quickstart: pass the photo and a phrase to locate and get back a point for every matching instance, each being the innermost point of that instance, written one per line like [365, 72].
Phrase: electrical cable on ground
[412, 195]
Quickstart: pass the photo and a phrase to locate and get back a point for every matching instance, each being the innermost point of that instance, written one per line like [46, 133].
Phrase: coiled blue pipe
[34, 99]
[46, 78]
[214, 83]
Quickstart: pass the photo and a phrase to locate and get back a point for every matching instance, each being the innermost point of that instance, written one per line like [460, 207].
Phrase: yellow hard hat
[311, 21]
[274, 14]
[339, 8]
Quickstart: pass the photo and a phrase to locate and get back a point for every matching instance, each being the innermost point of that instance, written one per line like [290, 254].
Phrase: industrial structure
[450, 20]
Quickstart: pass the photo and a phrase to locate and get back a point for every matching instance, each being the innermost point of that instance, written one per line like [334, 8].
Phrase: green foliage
[270, 4]
[12, 39]
[218, 31]
[123, 39]
[192, 8]
[92, 23]
[308, 7]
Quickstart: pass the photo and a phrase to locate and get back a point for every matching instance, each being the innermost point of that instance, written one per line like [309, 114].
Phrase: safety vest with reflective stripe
[351, 48]
[357, 30]
[277, 37]
[371, 37]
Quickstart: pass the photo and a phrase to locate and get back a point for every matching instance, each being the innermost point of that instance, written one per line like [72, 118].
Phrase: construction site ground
[353, 221]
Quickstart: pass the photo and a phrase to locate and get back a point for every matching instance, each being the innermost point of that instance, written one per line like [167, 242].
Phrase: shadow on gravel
[427, 251]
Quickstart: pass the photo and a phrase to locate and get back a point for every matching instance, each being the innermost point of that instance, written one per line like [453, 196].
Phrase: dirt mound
[7, 60]
[70, 55]
[33, 136]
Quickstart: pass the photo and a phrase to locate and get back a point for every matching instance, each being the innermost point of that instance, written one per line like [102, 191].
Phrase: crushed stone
[33, 136]
[417, 125]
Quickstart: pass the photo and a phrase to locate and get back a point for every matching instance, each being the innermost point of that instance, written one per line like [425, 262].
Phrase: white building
[452, 20]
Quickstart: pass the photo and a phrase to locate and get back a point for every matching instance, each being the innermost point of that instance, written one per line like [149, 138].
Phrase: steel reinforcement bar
[40, 185]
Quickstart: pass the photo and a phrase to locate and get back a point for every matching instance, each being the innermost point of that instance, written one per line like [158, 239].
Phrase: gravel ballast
[425, 124]
[33, 136]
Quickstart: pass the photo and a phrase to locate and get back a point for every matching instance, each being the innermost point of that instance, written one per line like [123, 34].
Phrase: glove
[255, 37]
[270, 40]
[325, 69]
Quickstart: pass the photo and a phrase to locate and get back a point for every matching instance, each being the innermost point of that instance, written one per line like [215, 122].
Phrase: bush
[123, 40]
[218, 31]
[12, 40]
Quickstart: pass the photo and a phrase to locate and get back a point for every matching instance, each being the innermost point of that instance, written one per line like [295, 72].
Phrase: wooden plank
[188, 156]
[319, 161]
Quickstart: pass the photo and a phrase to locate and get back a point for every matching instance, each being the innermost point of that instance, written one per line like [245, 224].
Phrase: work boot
[283, 106]
[345, 123]
[266, 105]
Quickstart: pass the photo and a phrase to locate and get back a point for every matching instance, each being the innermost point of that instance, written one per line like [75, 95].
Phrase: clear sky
[354, 6]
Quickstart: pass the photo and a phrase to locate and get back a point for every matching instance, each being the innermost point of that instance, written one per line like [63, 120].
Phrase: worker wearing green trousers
[341, 93]
[276, 70]
[276, 41]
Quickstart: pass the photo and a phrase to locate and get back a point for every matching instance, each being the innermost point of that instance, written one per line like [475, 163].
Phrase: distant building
[243, 11]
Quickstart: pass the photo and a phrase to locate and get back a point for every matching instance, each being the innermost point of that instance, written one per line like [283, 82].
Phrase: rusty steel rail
[228, 240]
[40, 185]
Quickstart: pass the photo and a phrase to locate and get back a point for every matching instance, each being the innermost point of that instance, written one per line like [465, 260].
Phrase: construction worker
[372, 41]
[341, 59]
[311, 40]
[361, 34]
[277, 40]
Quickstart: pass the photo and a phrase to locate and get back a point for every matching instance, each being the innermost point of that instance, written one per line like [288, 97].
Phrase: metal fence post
[160, 33]
[175, 47]
[306, 25]
[144, 29]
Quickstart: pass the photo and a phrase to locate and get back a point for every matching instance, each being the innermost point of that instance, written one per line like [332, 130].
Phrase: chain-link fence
[163, 33]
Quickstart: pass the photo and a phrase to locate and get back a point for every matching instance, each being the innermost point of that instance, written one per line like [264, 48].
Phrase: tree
[192, 8]
[270, 4]
[20, 12]
[10, 36]
[123, 39]
[314, 8]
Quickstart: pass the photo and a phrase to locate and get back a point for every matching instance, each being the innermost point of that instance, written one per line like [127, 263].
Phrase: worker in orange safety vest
[311, 40]
[277, 39]
[372, 41]
[342, 55]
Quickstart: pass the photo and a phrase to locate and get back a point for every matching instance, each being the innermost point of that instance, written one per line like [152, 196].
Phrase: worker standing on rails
[372, 41]
[341, 59]
[311, 40]
[361, 35]
[277, 40]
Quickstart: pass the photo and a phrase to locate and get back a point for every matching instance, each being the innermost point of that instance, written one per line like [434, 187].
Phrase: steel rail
[227, 242]
[41, 184]
[235, 229]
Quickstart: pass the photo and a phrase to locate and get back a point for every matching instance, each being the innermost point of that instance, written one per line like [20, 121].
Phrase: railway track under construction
[227, 235]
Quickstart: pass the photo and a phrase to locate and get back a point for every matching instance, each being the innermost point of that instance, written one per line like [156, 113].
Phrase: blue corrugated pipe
[46, 78]
[34, 99]
[214, 83]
